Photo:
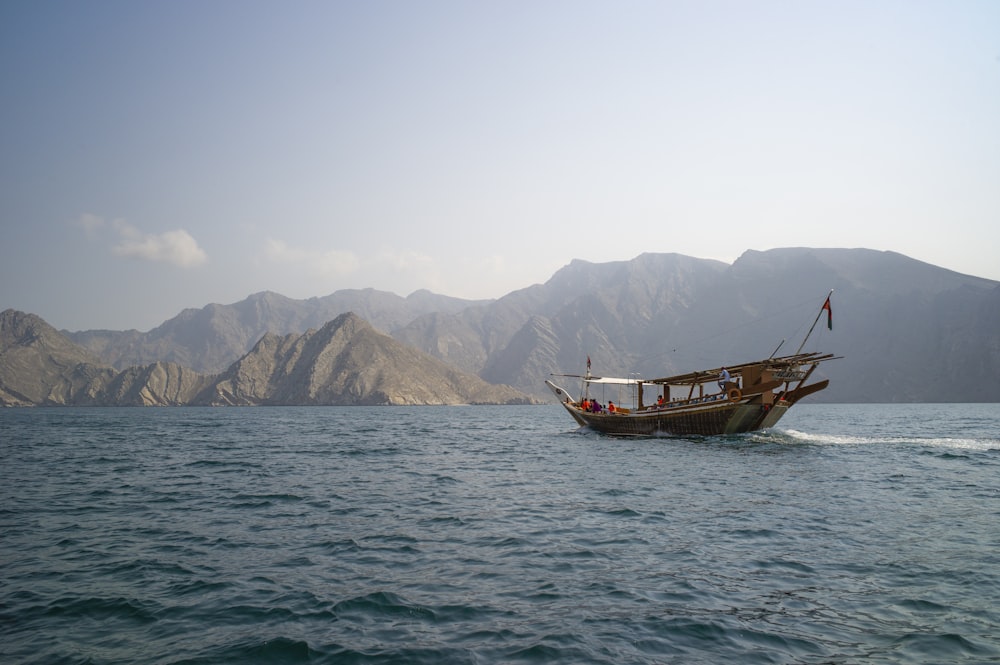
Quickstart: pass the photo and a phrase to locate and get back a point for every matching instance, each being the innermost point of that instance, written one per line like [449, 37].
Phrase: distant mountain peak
[907, 328]
[347, 361]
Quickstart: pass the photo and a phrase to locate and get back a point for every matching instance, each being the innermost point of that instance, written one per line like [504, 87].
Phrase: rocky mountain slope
[908, 330]
[346, 362]
[41, 367]
[211, 338]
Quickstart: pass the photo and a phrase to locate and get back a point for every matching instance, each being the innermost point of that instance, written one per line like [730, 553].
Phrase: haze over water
[497, 534]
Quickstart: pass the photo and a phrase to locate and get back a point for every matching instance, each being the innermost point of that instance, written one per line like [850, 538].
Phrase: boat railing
[672, 404]
[686, 401]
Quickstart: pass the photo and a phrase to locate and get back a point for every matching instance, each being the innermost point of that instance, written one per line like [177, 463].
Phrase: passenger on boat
[611, 406]
[659, 401]
[724, 378]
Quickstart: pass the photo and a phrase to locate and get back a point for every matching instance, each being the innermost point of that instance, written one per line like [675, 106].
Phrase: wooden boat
[755, 397]
[748, 397]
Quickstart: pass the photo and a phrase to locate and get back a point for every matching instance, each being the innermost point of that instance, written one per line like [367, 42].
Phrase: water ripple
[480, 535]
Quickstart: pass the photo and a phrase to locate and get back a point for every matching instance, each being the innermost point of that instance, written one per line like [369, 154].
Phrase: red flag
[829, 313]
[588, 362]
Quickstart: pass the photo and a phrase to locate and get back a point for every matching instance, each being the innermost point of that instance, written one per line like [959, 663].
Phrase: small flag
[588, 362]
[829, 313]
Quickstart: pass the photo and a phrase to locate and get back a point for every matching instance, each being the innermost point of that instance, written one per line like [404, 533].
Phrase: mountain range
[907, 331]
[345, 362]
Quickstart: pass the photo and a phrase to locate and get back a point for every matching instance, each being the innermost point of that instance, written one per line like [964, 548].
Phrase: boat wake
[793, 437]
[796, 436]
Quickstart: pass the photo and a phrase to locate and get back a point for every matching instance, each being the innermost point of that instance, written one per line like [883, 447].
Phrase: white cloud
[176, 247]
[322, 263]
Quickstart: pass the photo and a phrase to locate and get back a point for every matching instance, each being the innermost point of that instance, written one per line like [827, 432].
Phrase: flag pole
[819, 314]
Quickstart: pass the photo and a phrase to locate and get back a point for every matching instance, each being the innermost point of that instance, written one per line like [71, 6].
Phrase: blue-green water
[852, 534]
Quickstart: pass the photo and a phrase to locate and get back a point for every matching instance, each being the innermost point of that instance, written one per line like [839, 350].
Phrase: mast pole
[818, 314]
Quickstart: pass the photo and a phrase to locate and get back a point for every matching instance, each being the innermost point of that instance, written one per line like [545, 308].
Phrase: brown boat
[756, 396]
[723, 400]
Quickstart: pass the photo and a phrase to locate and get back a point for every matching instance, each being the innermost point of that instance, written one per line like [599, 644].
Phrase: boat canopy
[788, 364]
[610, 380]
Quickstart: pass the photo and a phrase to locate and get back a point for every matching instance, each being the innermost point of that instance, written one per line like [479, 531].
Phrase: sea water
[850, 534]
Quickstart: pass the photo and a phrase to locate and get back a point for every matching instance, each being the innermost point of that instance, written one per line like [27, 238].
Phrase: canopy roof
[704, 376]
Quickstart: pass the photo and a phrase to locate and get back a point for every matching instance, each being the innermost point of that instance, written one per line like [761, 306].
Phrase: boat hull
[710, 416]
[712, 420]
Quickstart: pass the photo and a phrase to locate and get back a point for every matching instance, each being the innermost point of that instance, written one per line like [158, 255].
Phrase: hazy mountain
[211, 338]
[907, 330]
[41, 367]
[348, 362]
[609, 311]
[345, 362]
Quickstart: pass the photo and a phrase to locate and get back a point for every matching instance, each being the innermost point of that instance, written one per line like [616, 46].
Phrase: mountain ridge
[898, 322]
[345, 362]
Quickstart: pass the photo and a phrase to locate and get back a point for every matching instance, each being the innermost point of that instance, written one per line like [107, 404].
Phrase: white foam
[943, 442]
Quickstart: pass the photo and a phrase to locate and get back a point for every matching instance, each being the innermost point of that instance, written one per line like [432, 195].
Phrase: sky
[167, 154]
